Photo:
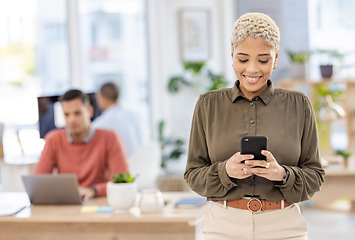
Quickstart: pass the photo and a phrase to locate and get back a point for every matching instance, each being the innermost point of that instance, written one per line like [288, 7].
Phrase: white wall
[292, 19]
[164, 60]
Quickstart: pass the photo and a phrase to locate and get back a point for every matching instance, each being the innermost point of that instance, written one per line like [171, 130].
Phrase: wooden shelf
[347, 100]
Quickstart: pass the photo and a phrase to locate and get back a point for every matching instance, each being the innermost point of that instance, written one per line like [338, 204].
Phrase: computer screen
[50, 113]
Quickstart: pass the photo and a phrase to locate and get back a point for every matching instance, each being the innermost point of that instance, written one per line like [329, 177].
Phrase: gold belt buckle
[254, 211]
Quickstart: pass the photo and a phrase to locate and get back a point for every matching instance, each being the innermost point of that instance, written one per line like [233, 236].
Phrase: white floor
[329, 225]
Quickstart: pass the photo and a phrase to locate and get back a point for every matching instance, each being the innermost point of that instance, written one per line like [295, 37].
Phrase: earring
[275, 66]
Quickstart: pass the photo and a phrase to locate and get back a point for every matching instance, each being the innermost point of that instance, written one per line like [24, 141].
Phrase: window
[332, 26]
[36, 59]
[114, 47]
[52, 47]
[33, 61]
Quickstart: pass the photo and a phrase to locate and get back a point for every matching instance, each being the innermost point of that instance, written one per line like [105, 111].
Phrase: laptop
[52, 189]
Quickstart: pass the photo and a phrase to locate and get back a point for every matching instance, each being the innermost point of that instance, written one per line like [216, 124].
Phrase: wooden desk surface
[338, 184]
[67, 222]
[339, 170]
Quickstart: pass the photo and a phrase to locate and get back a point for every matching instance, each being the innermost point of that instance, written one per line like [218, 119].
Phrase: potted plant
[192, 70]
[121, 192]
[298, 63]
[171, 150]
[327, 110]
[194, 76]
[345, 155]
[328, 57]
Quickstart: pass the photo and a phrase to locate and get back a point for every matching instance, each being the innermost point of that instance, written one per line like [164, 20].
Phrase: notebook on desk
[52, 189]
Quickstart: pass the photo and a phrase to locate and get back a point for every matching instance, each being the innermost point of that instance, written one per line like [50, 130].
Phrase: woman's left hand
[269, 169]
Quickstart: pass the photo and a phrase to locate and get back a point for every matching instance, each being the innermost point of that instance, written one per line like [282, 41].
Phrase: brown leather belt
[255, 204]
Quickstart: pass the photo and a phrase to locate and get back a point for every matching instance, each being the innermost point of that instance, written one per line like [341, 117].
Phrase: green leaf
[179, 142]
[342, 153]
[299, 57]
[161, 130]
[123, 178]
[329, 55]
[218, 81]
[324, 91]
[176, 153]
[195, 67]
[175, 83]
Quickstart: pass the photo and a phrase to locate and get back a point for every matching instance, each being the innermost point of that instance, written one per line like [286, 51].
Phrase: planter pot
[121, 196]
[346, 162]
[298, 70]
[326, 71]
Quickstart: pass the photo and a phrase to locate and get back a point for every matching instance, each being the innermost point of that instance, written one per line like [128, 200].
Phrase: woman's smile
[252, 79]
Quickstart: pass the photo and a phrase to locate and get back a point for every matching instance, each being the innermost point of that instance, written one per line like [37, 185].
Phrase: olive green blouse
[222, 117]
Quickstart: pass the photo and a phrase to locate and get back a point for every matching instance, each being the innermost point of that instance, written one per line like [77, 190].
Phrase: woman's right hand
[235, 168]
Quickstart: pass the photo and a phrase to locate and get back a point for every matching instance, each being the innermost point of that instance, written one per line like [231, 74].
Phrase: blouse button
[250, 183]
[252, 121]
[251, 103]
[230, 185]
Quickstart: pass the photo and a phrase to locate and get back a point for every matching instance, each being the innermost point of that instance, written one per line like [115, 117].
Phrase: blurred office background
[50, 46]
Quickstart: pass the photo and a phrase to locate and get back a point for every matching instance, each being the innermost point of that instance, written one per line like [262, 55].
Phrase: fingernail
[246, 162]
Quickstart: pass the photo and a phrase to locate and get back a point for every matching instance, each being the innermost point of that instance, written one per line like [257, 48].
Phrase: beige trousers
[227, 223]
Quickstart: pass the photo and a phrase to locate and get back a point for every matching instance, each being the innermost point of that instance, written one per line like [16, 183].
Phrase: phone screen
[253, 145]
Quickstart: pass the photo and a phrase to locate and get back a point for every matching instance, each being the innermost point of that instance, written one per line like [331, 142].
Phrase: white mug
[151, 201]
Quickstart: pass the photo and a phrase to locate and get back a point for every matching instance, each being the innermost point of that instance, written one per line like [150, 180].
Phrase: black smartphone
[253, 145]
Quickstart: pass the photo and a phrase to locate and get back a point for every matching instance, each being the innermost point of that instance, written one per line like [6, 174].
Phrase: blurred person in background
[125, 122]
[94, 155]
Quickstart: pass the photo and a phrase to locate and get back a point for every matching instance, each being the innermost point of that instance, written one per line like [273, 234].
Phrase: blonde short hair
[256, 25]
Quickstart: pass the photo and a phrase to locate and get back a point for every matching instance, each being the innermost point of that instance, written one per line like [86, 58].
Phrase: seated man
[92, 154]
[125, 122]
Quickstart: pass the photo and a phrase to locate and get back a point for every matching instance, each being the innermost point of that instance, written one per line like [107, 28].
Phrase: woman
[252, 198]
